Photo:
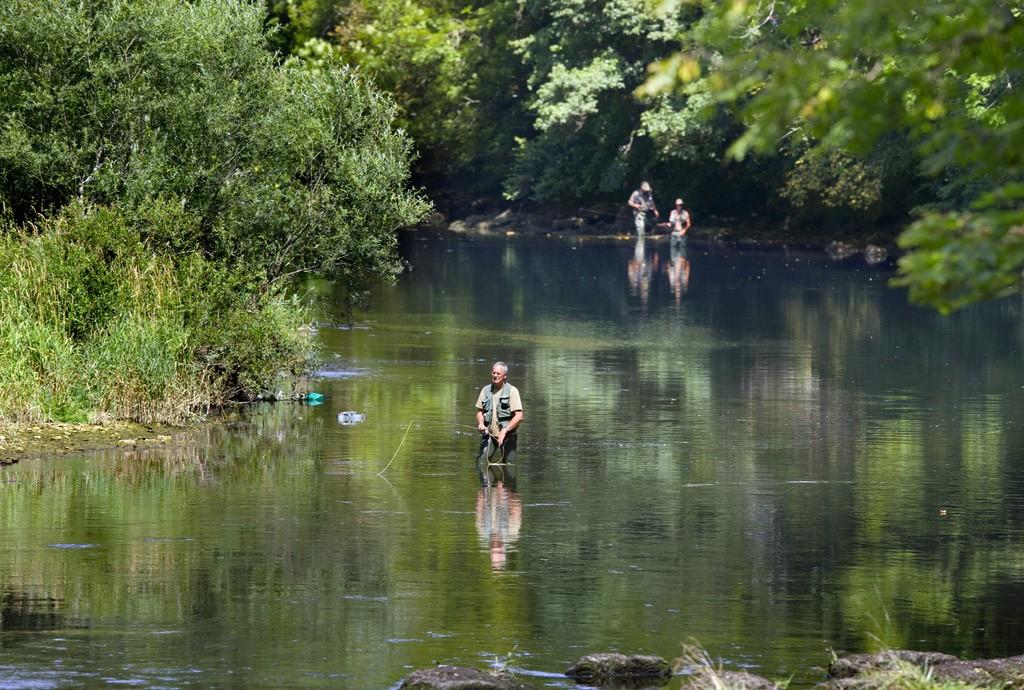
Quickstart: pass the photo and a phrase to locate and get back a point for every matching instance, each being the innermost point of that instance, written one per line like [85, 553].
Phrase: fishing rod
[598, 212]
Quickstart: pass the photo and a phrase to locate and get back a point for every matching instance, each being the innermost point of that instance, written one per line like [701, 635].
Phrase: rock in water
[461, 678]
[857, 664]
[981, 673]
[734, 680]
[602, 667]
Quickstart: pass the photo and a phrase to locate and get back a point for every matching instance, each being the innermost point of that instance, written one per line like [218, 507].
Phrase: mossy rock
[609, 666]
[461, 678]
[734, 680]
[981, 673]
[858, 664]
[985, 673]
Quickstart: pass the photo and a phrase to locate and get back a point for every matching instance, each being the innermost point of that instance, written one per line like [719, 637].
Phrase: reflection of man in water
[678, 270]
[639, 271]
[499, 412]
[499, 517]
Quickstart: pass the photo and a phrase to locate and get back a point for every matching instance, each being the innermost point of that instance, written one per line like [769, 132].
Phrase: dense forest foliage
[814, 114]
[157, 155]
[162, 180]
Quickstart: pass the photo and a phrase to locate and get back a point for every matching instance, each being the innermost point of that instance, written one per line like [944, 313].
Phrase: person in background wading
[679, 221]
[642, 202]
[499, 412]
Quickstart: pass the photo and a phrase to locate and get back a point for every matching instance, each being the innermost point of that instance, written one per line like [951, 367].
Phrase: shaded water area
[765, 452]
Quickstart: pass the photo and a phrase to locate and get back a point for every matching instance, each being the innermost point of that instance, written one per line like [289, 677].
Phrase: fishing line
[501, 461]
[501, 464]
[602, 213]
[381, 473]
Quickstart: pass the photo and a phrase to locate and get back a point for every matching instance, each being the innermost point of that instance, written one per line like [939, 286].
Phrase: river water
[766, 453]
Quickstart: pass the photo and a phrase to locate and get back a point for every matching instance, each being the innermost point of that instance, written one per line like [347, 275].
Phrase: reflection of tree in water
[19, 611]
[499, 517]
[261, 442]
[639, 270]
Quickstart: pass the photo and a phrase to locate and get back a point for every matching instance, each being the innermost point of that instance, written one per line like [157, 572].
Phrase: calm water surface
[765, 452]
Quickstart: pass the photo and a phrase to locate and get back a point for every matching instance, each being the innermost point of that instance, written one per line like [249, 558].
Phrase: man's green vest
[504, 406]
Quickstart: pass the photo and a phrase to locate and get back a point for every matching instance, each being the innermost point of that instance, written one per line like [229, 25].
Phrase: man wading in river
[499, 411]
[642, 203]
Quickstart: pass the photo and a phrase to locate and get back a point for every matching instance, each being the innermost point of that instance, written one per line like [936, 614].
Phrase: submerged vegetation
[163, 183]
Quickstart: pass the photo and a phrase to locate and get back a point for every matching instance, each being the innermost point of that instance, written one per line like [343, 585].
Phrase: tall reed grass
[95, 324]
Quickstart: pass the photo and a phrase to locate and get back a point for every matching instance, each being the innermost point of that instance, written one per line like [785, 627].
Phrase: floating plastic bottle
[348, 418]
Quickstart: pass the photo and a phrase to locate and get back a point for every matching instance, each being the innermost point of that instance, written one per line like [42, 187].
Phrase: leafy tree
[162, 176]
[531, 99]
[585, 58]
[446, 64]
[827, 112]
[293, 23]
[417, 51]
[825, 184]
[288, 169]
[846, 75]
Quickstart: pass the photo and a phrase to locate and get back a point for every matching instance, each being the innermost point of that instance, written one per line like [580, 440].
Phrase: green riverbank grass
[96, 326]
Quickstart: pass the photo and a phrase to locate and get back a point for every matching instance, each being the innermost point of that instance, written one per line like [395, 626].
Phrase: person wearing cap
[679, 221]
[642, 201]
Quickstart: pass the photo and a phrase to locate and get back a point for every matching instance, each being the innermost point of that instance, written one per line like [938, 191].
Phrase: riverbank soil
[29, 441]
[614, 223]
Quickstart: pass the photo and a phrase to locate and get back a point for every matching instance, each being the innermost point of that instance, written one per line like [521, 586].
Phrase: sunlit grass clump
[696, 663]
[897, 674]
[904, 676]
[99, 324]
